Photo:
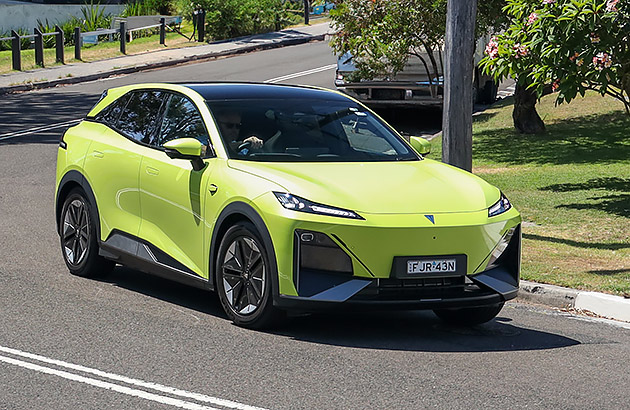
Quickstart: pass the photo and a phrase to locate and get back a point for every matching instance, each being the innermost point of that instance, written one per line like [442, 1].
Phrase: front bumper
[319, 290]
[394, 94]
[383, 294]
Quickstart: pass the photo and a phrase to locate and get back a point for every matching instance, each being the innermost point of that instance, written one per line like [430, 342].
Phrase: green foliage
[148, 7]
[382, 34]
[574, 45]
[46, 27]
[94, 17]
[25, 42]
[235, 18]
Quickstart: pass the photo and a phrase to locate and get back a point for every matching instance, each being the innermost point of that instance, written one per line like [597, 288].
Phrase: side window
[182, 120]
[110, 114]
[139, 120]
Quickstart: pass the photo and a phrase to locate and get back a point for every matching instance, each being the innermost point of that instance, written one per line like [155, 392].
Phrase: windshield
[305, 131]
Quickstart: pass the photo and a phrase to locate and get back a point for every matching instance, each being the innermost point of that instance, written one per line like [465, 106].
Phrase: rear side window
[110, 114]
[182, 120]
[139, 119]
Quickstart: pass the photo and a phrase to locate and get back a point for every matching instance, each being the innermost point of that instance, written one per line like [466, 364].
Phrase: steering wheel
[244, 148]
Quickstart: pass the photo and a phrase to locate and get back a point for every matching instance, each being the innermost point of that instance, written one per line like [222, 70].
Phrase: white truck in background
[420, 83]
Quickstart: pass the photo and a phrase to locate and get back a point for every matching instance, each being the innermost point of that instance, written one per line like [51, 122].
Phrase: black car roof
[246, 91]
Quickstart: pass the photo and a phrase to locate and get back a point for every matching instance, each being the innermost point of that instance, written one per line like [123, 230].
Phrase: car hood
[412, 187]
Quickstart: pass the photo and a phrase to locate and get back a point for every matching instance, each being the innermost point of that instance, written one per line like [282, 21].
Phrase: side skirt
[135, 253]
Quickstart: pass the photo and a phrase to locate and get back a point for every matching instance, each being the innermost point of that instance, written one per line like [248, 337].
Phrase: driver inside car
[229, 122]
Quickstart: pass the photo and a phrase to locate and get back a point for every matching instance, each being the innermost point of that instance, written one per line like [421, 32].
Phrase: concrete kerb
[601, 304]
[151, 66]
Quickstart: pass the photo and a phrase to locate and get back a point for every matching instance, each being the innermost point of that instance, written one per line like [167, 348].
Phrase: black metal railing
[123, 30]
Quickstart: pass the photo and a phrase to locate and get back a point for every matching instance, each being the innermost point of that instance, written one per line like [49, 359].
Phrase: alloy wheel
[243, 272]
[76, 232]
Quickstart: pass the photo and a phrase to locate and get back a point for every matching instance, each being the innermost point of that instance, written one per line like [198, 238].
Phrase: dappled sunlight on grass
[600, 138]
[571, 185]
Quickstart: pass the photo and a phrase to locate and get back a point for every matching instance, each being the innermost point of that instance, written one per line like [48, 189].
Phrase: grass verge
[101, 51]
[571, 185]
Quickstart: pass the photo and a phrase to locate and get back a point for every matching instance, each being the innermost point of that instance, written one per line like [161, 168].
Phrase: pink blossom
[555, 85]
[521, 50]
[602, 60]
[532, 18]
[492, 49]
[548, 1]
[611, 5]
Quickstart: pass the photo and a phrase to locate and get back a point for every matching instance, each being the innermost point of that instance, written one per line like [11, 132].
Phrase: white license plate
[432, 266]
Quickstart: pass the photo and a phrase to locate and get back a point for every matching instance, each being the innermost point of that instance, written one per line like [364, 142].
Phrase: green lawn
[97, 52]
[571, 185]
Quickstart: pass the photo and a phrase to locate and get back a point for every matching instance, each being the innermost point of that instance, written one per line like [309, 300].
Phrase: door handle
[98, 154]
[213, 188]
[152, 171]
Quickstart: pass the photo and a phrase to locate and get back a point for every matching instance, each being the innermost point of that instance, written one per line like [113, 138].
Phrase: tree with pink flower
[382, 35]
[572, 46]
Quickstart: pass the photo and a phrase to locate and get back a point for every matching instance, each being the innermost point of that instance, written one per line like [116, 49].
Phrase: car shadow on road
[420, 331]
[168, 291]
[391, 330]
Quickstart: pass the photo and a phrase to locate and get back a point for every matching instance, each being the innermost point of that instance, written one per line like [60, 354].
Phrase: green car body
[152, 210]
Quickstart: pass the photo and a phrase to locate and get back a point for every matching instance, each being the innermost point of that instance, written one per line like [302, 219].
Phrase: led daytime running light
[501, 206]
[296, 203]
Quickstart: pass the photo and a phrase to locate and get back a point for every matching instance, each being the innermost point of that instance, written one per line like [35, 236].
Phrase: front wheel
[78, 238]
[469, 316]
[244, 278]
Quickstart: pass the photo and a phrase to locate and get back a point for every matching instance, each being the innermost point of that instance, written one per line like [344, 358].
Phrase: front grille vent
[420, 288]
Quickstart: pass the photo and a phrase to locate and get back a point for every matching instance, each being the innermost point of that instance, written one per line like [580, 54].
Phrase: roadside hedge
[235, 18]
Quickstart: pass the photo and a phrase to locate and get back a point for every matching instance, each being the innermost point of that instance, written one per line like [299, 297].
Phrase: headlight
[502, 205]
[296, 203]
[500, 248]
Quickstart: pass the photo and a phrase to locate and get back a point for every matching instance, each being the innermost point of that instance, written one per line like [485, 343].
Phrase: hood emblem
[430, 218]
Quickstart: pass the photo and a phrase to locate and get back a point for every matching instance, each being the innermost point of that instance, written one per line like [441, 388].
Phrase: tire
[79, 245]
[244, 278]
[469, 316]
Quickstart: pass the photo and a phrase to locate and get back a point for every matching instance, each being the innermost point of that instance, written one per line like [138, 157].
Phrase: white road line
[135, 382]
[35, 130]
[106, 385]
[301, 73]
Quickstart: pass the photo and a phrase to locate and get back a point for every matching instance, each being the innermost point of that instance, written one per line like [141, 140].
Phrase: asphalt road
[132, 341]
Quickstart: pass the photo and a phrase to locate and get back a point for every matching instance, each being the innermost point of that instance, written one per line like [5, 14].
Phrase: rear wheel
[244, 278]
[78, 237]
[469, 316]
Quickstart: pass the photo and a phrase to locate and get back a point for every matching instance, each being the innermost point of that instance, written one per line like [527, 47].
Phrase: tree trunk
[526, 119]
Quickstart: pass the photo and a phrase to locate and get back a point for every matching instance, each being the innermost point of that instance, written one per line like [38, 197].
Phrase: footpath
[599, 304]
[81, 72]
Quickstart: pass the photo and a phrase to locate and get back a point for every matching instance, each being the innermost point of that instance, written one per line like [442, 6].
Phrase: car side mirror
[186, 148]
[421, 145]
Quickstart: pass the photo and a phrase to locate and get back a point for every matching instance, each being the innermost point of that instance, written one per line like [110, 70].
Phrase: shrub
[148, 7]
[235, 18]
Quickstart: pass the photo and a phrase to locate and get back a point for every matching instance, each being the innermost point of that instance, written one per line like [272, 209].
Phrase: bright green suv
[280, 198]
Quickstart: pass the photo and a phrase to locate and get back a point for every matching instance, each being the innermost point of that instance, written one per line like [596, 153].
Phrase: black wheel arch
[75, 179]
[232, 214]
